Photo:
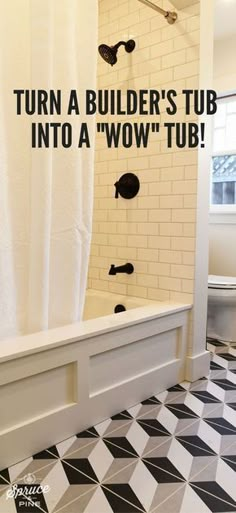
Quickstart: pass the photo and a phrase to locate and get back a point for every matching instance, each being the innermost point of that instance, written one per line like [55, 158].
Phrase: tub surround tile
[169, 58]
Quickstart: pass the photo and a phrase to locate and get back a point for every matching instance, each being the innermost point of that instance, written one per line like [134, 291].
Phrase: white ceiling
[225, 19]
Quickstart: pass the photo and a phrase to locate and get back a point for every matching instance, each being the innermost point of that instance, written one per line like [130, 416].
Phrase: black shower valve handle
[127, 186]
[117, 190]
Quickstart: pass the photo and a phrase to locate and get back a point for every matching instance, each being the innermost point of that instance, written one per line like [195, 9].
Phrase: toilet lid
[222, 282]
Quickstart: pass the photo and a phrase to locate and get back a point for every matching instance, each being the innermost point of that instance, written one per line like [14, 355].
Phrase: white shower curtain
[46, 195]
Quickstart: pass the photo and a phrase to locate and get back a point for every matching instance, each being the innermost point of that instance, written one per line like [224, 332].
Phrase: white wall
[224, 68]
[222, 234]
[222, 249]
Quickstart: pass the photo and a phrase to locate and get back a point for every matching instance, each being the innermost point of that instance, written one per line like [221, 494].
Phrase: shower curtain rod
[171, 17]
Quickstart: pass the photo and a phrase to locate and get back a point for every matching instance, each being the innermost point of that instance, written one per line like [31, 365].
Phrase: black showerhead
[109, 53]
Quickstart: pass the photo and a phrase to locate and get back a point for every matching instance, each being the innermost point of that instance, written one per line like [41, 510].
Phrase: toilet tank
[221, 318]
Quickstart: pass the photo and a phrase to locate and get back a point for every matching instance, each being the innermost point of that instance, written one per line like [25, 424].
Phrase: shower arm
[171, 17]
[121, 43]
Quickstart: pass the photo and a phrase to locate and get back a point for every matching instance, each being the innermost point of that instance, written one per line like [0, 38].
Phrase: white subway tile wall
[156, 230]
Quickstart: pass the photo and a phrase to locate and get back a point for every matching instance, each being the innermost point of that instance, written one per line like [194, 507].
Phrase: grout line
[194, 415]
[145, 454]
[55, 456]
[201, 394]
[66, 455]
[227, 456]
[181, 480]
[155, 405]
[212, 495]
[98, 484]
[202, 470]
[124, 500]
[6, 481]
[197, 447]
[36, 472]
[223, 427]
[104, 481]
[139, 417]
[75, 500]
[121, 448]
[81, 472]
[115, 429]
[171, 436]
[217, 379]
[116, 473]
[167, 498]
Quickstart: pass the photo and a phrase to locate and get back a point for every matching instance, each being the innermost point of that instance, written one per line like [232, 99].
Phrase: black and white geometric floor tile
[173, 453]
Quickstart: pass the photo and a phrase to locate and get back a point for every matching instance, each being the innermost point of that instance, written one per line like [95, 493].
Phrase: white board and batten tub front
[56, 383]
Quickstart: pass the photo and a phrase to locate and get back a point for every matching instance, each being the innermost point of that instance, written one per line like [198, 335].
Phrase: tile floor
[173, 453]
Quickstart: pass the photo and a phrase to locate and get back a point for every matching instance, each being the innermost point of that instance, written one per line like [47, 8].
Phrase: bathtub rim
[26, 345]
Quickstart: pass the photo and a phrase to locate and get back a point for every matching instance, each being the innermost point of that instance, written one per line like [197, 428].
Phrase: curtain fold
[46, 195]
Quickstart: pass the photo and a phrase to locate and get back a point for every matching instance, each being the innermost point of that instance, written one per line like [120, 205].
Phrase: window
[223, 189]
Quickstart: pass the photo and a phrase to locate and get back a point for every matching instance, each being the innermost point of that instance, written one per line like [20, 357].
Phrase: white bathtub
[56, 383]
[99, 304]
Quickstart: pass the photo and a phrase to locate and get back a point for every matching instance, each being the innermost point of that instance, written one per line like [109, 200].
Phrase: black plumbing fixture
[125, 269]
[109, 53]
[127, 186]
[119, 309]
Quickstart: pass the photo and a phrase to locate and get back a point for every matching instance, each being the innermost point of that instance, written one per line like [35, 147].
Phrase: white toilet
[221, 322]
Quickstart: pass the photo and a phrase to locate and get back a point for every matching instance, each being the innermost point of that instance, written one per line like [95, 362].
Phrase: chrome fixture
[109, 53]
[171, 17]
[126, 269]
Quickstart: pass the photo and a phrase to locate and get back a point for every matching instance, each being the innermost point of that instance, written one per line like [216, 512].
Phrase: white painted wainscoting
[55, 384]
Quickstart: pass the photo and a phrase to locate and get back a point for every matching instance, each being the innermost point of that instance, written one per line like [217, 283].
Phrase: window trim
[222, 214]
[223, 153]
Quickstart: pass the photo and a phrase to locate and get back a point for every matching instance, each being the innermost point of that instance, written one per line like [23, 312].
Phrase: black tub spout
[125, 269]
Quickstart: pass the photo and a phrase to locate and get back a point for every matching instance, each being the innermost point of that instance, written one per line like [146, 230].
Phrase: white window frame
[222, 214]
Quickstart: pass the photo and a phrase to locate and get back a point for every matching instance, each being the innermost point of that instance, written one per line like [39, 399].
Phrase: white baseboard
[197, 366]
